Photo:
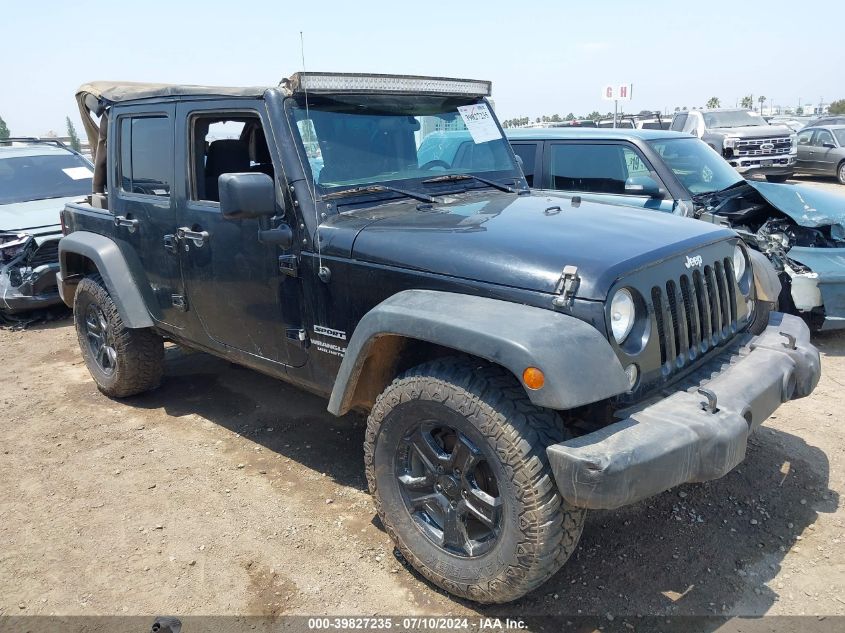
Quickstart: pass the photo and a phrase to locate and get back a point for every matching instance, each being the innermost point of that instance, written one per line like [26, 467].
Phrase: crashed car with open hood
[522, 356]
[799, 228]
[37, 178]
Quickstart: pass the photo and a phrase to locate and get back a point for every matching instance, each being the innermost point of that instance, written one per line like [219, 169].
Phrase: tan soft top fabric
[108, 92]
[115, 91]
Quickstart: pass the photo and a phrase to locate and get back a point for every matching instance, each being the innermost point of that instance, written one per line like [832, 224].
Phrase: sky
[543, 57]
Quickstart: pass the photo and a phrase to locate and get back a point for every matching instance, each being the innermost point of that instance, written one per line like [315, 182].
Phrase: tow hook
[790, 340]
[710, 405]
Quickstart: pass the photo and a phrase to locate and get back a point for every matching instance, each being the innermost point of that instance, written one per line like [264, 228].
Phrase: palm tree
[713, 102]
[748, 102]
[761, 99]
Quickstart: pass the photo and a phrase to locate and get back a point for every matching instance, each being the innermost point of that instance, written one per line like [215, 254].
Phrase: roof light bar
[400, 84]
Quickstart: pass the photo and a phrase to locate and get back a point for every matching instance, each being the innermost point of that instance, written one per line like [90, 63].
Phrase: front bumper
[823, 289]
[775, 165]
[32, 290]
[679, 439]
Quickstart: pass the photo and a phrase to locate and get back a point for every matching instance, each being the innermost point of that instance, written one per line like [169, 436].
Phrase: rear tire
[778, 179]
[840, 173]
[122, 361]
[491, 531]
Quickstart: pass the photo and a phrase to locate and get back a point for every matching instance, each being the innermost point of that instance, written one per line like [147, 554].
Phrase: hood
[36, 217]
[807, 206]
[754, 131]
[518, 241]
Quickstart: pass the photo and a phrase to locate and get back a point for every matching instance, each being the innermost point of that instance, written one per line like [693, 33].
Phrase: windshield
[357, 141]
[840, 136]
[697, 165]
[733, 118]
[24, 178]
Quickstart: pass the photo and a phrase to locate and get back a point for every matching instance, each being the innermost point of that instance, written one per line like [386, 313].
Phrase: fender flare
[579, 364]
[113, 269]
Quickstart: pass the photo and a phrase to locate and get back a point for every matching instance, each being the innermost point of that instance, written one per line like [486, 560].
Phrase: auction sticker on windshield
[480, 122]
[78, 173]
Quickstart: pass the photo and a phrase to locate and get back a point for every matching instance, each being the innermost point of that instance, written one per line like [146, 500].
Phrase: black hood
[518, 241]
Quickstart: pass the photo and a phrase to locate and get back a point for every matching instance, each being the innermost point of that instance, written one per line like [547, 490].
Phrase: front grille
[694, 313]
[47, 253]
[754, 147]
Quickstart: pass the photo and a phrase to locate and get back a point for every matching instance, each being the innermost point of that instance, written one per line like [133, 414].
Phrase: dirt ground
[227, 492]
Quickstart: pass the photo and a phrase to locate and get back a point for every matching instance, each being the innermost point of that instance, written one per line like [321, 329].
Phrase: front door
[142, 202]
[234, 285]
[598, 172]
[824, 158]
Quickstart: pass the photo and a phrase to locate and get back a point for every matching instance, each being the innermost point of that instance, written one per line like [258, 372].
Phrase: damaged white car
[37, 178]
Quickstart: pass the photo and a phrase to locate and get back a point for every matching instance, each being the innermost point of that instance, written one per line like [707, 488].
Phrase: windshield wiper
[492, 183]
[416, 195]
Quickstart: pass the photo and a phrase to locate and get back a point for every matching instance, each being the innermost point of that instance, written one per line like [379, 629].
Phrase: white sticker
[480, 122]
[79, 173]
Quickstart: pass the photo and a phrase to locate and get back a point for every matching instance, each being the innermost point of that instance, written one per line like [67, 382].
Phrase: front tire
[122, 361]
[455, 457]
[840, 173]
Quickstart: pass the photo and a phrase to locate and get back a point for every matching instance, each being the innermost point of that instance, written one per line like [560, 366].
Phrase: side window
[678, 122]
[528, 153]
[144, 155]
[588, 168]
[805, 137]
[822, 137]
[225, 144]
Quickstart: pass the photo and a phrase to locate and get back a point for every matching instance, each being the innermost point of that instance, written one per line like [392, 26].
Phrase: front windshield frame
[52, 163]
[713, 173]
[728, 119]
[507, 169]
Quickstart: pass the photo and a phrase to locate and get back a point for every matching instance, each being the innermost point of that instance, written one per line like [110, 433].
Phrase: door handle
[130, 223]
[197, 237]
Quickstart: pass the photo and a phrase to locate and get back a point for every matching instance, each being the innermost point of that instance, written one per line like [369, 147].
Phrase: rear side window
[145, 155]
[678, 122]
[528, 153]
[591, 168]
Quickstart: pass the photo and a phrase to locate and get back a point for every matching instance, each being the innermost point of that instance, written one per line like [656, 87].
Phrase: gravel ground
[227, 492]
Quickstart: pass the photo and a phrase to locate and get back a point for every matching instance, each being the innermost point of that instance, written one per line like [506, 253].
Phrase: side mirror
[246, 195]
[829, 145]
[643, 186]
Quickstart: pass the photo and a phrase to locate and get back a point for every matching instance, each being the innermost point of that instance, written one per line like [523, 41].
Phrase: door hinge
[289, 265]
[567, 286]
[179, 302]
[299, 335]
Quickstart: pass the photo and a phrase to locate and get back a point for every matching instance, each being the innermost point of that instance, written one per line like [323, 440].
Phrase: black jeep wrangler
[522, 357]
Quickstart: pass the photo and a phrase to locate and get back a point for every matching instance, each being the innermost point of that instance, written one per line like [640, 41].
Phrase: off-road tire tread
[520, 431]
[140, 351]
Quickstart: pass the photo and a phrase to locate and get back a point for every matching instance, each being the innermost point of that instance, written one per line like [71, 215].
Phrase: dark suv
[521, 356]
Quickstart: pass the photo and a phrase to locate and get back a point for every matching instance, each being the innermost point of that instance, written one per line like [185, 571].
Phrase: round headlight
[739, 263]
[622, 314]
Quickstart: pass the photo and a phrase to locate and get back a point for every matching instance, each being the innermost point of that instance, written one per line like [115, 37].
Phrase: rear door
[234, 284]
[598, 170]
[824, 158]
[806, 151]
[141, 199]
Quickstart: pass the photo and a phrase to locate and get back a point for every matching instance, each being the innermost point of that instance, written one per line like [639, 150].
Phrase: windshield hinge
[566, 286]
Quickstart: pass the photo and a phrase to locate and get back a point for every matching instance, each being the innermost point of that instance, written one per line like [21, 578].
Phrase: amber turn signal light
[533, 378]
